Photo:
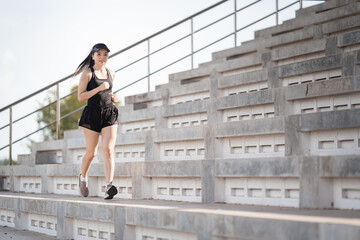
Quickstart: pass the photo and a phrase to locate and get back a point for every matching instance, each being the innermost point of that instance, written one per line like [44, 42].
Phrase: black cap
[99, 46]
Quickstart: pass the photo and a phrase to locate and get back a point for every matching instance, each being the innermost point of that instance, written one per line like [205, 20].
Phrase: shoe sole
[111, 193]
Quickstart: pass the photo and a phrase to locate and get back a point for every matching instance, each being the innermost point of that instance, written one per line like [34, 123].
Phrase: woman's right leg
[92, 140]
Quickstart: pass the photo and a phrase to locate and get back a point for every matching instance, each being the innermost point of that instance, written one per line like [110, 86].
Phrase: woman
[99, 116]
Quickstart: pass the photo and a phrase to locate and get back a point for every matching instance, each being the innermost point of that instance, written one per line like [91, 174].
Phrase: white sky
[43, 41]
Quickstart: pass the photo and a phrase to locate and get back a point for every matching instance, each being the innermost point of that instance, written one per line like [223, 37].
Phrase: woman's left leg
[108, 138]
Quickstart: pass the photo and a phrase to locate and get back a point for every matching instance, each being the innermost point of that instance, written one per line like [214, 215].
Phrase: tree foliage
[48, 114]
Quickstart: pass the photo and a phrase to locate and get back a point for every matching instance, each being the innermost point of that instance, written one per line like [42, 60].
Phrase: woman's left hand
[114, 99]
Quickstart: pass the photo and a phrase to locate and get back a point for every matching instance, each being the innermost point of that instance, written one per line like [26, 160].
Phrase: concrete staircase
[263, 142]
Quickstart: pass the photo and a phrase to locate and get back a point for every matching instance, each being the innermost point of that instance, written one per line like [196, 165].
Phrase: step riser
[117, 221]
[278, 181]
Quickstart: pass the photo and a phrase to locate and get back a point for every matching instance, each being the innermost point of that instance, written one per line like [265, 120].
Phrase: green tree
[48, 114]
[5, 162]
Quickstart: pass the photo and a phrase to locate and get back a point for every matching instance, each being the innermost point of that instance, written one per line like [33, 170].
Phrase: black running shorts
[96, 118]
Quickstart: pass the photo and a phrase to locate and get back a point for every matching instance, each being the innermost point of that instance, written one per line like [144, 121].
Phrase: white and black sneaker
[83, 186]
[110, 192]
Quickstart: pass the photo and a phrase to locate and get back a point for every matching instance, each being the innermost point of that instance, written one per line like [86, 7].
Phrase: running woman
[99, 116]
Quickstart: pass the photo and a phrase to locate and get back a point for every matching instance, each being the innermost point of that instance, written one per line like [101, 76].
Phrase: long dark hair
[87, 63]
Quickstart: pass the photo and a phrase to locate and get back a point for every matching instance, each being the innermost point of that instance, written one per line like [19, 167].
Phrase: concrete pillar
[120, 223]
[331, 46]
[203, 227]
[212, 144]
[42, 171]
[315, 192]
[64, 229]
[141, 186]
[348, 66]
[151, 148]
[296, 141]
[21, 218]
[208, 181]
[12, 178]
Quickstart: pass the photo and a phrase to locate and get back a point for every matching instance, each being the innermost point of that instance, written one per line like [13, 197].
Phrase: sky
[43, 41]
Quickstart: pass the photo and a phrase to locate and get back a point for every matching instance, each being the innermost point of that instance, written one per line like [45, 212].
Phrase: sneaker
[83, 186]
[110, 192]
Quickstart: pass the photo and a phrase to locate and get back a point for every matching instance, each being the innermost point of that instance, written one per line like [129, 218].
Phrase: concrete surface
[7, 233]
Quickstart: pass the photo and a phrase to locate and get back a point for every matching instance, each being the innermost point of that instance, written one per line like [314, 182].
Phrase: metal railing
[146, 57]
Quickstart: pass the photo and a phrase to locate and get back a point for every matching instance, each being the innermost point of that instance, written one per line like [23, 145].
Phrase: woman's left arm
[113, 97]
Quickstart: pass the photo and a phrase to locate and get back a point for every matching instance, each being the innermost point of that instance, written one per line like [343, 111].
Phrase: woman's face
[100, 57]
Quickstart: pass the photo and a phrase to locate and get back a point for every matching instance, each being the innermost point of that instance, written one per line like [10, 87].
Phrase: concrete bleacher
[273, 123]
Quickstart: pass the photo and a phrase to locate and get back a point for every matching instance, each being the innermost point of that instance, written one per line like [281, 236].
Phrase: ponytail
[87, 63]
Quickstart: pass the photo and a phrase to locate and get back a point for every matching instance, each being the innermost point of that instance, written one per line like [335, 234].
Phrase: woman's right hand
[104, 86]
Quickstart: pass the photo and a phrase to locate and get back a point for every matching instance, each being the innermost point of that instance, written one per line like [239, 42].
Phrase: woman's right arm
[84, 80]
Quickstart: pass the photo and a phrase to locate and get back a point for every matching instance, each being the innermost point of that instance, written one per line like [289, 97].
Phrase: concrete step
[264, 178]
[77, 218]
[7, 233]
[327, 5]
[328, 20]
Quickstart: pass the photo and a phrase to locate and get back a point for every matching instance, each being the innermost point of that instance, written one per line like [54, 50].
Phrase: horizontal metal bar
[42, 128]
[188, 35]
[21, 118]
[131, 84]
[170, 64]
[210, 24]
[72, 93]
[48, 125]
[37, 92]
[4, 126]
[145, 57]
[73, 112]
[214, 42]
[48, 105]
[176, 41]
[25, 116]
[243, 8]
[259, 20]
[131, 63]
[151, 73]
[256, 22]
[165, 29]
[288, 6]
[230, 14]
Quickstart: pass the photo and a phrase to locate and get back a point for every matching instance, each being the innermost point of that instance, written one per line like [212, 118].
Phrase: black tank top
[102, 98]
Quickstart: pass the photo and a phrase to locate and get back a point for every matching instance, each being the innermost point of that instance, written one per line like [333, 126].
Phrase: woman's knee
[91, 154]
[107, 151]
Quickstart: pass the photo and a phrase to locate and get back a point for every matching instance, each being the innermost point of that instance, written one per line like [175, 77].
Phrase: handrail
[147, 39]
[170, 27]
[116, 53]
[35, 93]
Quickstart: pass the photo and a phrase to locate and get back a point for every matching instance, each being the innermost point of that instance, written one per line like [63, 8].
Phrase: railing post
[57, 112]
[277, 12]
[10, 136]
[148, 56]
[192, 43]
[235, 23]
[301, 4]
